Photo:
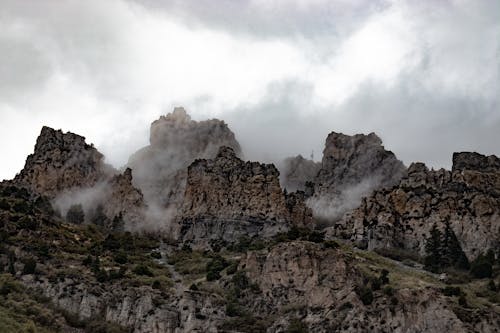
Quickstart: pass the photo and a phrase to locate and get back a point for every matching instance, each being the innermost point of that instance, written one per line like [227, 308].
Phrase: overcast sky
[424, 75]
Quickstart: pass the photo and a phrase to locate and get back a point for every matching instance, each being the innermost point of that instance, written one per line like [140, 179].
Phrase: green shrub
[233, 309]
[365, 295]
[375, 284]
[492, 286]
[452, 291]
[4, 204]
[101, 275]
[27, 222]
[316, 237]
[330, 244]
[111, 242]
[9, 285]
[384, 277]
[388, 290]
[87, 261]
[482, 267]
[120, 258]
[240, 280]
[246, 324]
[297, 326]
[29, 266]
[214, 267]
[232, 268]
[142, 270]
[21, 207]
[116, 274]
[155, 255]
[462, 301]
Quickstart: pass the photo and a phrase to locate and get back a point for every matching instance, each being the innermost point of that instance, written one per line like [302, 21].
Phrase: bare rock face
[352, 167]
[62, 161]
[125, 202]
[302, 279]
[297, 172]
[226, 198]
[69, 171]
[175, 142]
[468, 197]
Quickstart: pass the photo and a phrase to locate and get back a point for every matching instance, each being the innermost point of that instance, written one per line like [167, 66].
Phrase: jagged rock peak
[468, 198]
[352, 167]
[177, 128]
[352, 158]
[227, 198]
[475, 161]
[61, 161]
[175, 142]
[227, 153]
[340, 146]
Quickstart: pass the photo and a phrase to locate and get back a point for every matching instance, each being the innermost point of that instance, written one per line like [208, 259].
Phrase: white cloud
[106, 69]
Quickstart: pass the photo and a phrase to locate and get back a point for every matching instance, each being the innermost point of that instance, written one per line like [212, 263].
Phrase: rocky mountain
[468, 198]
[227, 198]
[71, 172]
[351, 168]
[62, 161]
[85, 248]
[175, 142]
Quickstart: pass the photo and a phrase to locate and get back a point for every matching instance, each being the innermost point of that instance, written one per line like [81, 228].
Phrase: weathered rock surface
[226, 198]
[125, 202]
[175, 142]
[142, 309]
[468, 197]
[62, 161]
[302, 280]
[66, 169]
[351, 168]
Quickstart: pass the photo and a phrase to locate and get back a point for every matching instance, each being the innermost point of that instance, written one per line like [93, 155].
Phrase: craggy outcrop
[69, 171]
[297, 171]
[125, 202]
[468, 197]
[304, 280]
[175, 142]
[227, 198]
[352, 167]
[62, 161]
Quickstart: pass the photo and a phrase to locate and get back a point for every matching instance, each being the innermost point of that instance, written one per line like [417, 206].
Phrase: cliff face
[175, 142]
[62, 161]
[304, 280]
[225, 196]
[351, 168]
[468, 197]
[124, 201]
[69, 171]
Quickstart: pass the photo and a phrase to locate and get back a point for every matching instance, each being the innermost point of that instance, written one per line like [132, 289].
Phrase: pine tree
[433, 250]
[453, 254]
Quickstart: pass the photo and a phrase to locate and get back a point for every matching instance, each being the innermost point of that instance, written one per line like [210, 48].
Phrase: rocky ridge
[468, 197]
[62, 161]
[227, 198]
[351, 168]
